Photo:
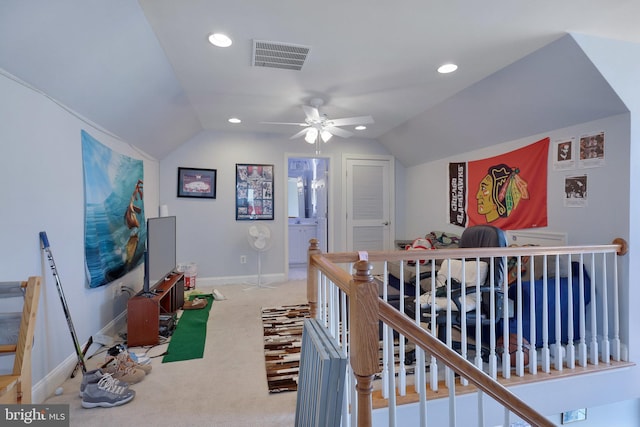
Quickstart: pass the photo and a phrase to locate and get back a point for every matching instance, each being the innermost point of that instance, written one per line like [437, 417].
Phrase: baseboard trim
[47, 386]
[207, 282]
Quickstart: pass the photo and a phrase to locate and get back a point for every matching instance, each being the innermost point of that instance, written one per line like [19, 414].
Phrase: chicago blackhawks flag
[508, 191]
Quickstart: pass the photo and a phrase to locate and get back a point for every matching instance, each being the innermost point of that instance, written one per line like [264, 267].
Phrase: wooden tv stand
[143, 311]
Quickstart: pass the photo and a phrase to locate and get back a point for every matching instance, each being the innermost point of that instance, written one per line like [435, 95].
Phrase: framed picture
[575, 415]
[564, 157]
[254, 192]
[198, 183]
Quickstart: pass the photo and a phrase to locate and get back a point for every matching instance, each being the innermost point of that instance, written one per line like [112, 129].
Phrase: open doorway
[307, 207]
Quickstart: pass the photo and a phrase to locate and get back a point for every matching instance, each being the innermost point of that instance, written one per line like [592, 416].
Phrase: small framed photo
[564, 154]
[198, 183]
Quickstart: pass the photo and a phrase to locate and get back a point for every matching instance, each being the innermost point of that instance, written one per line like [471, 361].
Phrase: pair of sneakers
[100, 389]
[121, 366]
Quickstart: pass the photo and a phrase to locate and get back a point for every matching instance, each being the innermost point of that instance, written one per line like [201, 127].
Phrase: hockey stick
[47, 250]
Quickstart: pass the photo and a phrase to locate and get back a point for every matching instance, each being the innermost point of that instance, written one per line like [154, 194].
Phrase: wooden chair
[16, 387]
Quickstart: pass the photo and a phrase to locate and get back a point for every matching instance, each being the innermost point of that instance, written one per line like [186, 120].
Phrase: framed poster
[198, 183]
[254, 192]
[564, 157]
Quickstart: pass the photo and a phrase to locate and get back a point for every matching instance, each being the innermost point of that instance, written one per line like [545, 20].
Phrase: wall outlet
[118, 290]
[243, 259]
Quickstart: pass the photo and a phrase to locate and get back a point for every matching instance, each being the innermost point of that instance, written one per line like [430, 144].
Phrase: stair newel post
[312, 278]
[363, 346]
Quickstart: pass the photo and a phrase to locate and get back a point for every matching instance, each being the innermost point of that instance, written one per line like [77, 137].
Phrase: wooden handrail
[406, 327]
[619, 246]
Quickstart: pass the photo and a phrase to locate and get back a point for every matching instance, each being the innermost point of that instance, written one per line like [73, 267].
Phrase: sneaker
[121, 369]
[121, 353]
[106, 393]
[93, 377]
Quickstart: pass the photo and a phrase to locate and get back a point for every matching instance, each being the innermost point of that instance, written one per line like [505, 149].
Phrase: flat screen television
[160, 256]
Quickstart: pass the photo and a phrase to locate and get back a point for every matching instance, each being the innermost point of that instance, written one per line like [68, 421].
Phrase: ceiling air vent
[279, 55]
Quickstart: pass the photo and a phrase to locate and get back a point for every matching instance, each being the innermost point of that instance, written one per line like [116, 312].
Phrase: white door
[369, 204]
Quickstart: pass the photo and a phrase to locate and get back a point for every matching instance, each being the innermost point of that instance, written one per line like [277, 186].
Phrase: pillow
[419, 244]
[470, 268]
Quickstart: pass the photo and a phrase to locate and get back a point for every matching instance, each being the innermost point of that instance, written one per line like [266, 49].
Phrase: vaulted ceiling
[144, 70]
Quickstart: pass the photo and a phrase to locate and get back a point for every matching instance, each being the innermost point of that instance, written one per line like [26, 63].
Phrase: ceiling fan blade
[311, 113]
[362, 120]
[283, 123]
[299, 134]
[337, 131]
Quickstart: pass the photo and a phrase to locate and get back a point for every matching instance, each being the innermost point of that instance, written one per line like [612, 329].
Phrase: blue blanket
[538, 286]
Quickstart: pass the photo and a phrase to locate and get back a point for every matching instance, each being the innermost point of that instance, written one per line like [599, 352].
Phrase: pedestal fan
[259, 238]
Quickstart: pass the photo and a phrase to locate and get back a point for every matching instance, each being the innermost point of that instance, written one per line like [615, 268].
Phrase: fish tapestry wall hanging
[115, 231]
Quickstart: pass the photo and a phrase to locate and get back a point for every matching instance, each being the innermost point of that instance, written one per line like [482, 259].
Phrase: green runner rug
[188, 339]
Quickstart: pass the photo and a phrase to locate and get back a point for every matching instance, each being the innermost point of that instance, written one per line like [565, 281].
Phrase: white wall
[42, 190]
[208, 232]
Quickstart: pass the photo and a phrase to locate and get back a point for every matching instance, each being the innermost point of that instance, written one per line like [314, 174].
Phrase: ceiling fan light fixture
[360, 127]
[220, 40]
[325, 135]
[235, 120]
[311, 136]
[447, 68]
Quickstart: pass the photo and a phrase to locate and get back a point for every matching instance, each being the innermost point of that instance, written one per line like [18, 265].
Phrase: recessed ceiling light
[220, 40]
[360, 127]
[234, 120]
[447, 68]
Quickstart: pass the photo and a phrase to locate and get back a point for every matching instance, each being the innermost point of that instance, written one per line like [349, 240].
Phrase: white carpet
[227, 387]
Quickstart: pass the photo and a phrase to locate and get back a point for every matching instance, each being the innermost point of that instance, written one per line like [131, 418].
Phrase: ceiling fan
[318, 126]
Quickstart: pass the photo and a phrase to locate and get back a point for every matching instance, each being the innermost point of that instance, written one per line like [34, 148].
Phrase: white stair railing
[591, 324]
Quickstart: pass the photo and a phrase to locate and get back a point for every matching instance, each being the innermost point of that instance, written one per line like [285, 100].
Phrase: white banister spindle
[344, 337]
[606, 351]
[519, 352]
[462, 314]
[506, 360]
[419, 373]
[571, 352]
[335, 304]
[391, 383]
[493, 357]
[401, 340]
[593, 350]
[433, 363]
[545, 353]
[615, 341]
[582, 343]
[322, 306]
[448, 325]
[478, 312]
[557, 349]
[386, 342]
[533, 344]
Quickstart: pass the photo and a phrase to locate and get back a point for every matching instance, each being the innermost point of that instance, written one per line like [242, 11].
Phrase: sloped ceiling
[554, 87]
[144, 71]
